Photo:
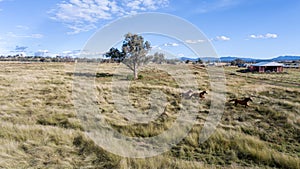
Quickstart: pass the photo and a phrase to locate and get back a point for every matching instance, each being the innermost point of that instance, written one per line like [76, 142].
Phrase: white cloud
[83, 15]
[194, 41]
[143, 5]
[34, 36]
[256, 36]
[222, 38]
[41, 53]
[71, 53]
[135, 5]
[266, 36]
[156, 47]
[270, 35]
[78, 27]
[45, 52]
[171, 44]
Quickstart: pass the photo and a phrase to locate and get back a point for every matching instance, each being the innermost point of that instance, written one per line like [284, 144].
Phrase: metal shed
[267, 67]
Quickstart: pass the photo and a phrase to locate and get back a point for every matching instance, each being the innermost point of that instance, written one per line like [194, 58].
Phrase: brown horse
[201, 94]
[241, 102]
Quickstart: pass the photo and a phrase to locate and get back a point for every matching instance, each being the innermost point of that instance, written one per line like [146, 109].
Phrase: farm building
[267, 67]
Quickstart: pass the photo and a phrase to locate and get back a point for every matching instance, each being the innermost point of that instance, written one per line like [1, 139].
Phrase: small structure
[291, 65]
[266, 67]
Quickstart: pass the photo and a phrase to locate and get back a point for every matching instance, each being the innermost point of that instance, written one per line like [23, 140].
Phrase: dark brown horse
[241, 102]
[201, 94]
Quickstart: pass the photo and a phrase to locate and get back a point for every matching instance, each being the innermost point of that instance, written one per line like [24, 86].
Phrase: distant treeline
[48, 59]
[71, 59]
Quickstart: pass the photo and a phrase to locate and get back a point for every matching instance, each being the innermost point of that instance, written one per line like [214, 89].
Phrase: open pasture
[40, 127]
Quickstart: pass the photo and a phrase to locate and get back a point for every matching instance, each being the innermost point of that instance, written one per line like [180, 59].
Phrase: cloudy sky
[245, 28]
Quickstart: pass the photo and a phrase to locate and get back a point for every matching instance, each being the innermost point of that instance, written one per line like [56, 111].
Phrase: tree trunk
[135, 73]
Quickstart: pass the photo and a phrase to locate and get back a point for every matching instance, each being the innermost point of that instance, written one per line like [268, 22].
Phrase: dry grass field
[40, 127]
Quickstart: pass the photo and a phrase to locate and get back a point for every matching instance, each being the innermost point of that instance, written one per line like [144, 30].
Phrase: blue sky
[244, 28]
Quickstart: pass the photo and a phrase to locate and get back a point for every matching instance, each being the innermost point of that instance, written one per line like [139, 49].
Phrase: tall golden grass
[39, 127]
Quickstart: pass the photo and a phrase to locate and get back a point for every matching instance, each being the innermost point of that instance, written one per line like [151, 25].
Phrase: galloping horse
[201, 94]
[189, 94]
[242, 102]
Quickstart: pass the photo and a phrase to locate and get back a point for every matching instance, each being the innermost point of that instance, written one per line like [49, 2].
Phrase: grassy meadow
[39, 127]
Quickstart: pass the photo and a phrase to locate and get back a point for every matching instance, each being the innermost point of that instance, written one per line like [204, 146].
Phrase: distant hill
[190, 59]
[221, 59]
[204, 59]
[286, 58]
[232, 58]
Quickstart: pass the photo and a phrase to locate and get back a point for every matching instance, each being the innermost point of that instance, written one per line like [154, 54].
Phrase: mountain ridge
[232, 58]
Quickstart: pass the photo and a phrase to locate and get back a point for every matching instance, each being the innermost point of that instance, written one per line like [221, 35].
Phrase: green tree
[237, 62]
[135, 51]
[115, 54]
[159, 58]
[199, 61]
